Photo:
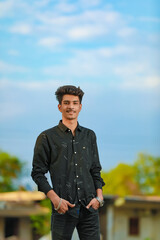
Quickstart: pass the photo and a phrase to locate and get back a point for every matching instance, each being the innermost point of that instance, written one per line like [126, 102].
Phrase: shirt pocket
[86, 155]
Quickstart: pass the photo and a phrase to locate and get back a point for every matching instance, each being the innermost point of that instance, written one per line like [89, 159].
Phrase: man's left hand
[93, 203]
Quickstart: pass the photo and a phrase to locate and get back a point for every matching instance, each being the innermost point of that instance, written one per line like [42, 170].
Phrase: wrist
[100, 200]
[99, 193]
[59, 205]
[53, 197]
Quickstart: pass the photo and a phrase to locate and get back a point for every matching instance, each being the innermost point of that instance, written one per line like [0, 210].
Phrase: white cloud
[29, 85]
[21, 28]
[82, 64]
[152, 82]
[78, 26]
[154, 38]
[130, 68]
[64, 7]
[10, 109]
[10, 68]
[150, 19]
[13, 52]
[42, 3]
[126, 32]
[119, 50]
[6, 7]
[49, 19]
[84, 32]
[93, 63]
[50, 42]
[12, 8]
[64, 20]
[14, 96]
[63, 23]
[38, 86]
[122, 63]
[91, 3]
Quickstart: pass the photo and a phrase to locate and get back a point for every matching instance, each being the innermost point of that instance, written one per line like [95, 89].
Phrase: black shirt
[72, 162]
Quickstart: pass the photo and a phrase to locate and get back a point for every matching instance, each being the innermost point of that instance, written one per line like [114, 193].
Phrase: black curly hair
[68, 89]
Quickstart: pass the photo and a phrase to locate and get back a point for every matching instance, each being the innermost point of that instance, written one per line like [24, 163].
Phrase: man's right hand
[56, 200]
[64, 206]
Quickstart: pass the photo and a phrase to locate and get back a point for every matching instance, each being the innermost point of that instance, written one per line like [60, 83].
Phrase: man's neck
[71, 124]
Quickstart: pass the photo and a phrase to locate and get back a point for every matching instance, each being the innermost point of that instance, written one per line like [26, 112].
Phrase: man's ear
[80, 107]
[59, 107]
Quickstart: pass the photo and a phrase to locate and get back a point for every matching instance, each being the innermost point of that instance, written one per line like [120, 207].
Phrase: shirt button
[73, 140]
[75, 164]
[77, 176]
[75, 152]
[78, 188]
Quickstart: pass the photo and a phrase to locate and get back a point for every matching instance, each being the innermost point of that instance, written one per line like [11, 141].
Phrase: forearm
[53, 196]
[99, 193]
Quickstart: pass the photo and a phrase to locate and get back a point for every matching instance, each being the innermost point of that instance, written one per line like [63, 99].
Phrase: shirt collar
[65, 128]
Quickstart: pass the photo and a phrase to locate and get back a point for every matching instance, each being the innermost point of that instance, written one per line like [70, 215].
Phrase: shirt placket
[77, 176]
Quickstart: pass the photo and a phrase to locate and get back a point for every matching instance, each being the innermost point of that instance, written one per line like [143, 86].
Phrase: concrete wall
[118, 224]
[25, 232]
[151, 227]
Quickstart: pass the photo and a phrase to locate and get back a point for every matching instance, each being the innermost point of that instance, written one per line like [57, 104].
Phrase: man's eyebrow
[70, 101]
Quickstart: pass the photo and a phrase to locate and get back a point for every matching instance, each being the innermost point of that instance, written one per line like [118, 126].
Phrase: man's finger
[70, 204]
[88, 206]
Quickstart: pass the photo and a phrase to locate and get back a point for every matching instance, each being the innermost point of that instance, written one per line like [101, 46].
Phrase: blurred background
[111, 49]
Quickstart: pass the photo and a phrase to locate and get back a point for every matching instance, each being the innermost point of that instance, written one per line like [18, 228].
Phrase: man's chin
[71, 118]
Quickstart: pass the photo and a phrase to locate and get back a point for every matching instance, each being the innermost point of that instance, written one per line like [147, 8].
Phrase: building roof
[130, 200]
[22, 211]
[21, 196]
[143, 198]
[21, 204]
[155, 199]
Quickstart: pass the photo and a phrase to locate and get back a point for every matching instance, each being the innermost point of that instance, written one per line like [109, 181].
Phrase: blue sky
[111, 49]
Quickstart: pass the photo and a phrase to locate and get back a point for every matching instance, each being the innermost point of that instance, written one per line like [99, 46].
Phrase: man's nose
[71, 105]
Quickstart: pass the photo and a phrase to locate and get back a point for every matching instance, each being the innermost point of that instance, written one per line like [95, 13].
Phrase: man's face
[70, 107]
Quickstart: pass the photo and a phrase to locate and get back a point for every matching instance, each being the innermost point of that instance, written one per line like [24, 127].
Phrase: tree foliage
[140, 178]
[41, 224]
[148, 174]
[10, 169]
[121, 181]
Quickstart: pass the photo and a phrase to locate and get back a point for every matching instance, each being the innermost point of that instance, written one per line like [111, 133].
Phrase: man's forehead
[68, 97]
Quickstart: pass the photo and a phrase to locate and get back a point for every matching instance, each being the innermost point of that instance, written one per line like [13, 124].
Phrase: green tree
[41, 224]
[11, 172]
[140, 178]
[10, 169]
[148, 174]
[121, 181]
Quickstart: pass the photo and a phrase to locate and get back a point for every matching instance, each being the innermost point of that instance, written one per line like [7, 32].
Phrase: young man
[69, 152]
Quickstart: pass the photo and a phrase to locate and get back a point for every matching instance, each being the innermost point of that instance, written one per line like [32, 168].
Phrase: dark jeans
[87, 224]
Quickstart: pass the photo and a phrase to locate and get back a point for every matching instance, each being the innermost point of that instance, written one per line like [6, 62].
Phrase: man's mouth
[70, 111]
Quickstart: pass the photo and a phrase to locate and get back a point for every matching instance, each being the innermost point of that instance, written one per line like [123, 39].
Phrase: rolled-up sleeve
[96, 166]
[41, 161]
